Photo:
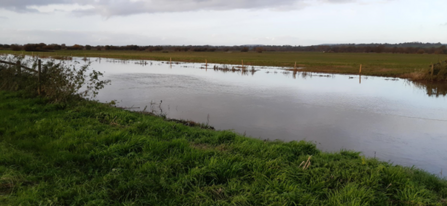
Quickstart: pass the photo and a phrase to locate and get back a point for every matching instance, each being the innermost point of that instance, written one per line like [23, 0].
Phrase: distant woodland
[406, 48]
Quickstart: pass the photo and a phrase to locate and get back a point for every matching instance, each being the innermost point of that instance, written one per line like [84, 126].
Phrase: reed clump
[438, 72]
[433, 73]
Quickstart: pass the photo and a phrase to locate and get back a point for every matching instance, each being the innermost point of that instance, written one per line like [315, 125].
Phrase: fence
[19, 67]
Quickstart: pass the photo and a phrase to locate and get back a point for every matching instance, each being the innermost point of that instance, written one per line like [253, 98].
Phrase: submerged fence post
[39, 70]
[295, 66]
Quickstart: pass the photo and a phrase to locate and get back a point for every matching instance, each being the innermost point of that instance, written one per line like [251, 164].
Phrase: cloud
[444, 24]
[4, 17]
[109, 8]
[337, 1]
[127, 7]
[123, 8]
[85, 37]
[24, 5]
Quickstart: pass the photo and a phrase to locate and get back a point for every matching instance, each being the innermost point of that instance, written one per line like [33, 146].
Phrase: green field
[383, 64]
[87, 153]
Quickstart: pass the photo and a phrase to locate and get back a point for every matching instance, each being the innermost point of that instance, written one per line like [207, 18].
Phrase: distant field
[383, 64]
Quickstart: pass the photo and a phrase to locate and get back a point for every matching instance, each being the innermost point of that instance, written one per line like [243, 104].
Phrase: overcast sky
[222, 22]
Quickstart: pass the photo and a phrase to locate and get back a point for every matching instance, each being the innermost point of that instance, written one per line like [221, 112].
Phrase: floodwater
[392, 119]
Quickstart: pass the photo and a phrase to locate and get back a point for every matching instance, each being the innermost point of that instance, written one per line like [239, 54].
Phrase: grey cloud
[22, 5]
[4, 17]
[81, 37]
[338, 1]
[122, 8]
[126, 7]
[109, 8]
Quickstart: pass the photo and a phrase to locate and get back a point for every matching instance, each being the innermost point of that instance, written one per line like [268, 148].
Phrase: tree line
[406, 48]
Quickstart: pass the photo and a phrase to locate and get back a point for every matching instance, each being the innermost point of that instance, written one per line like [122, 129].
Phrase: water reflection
[433, 89]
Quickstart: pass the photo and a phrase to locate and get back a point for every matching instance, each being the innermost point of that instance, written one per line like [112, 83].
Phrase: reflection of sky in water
[395, 119]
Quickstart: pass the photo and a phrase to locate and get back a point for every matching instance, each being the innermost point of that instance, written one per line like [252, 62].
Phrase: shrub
[436, 72]
[244, 49]
[60, 82]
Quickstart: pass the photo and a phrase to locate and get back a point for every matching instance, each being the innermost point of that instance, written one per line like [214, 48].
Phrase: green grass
[383, 64]
[87, 153]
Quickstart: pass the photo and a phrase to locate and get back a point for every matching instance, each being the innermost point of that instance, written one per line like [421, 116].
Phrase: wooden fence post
[19, 68]
[432, 71]
[39, 70]
[360, 69]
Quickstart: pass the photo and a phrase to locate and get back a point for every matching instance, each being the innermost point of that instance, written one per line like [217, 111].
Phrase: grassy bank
[376, 64]
[86, 153]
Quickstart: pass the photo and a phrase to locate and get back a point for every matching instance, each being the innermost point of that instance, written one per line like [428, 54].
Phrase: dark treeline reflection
[433, 89]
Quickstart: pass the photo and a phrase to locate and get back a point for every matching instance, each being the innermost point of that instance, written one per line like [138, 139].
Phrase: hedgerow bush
[60, 81]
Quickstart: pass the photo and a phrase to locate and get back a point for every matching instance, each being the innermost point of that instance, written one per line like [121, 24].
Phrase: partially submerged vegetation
[87, 153]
